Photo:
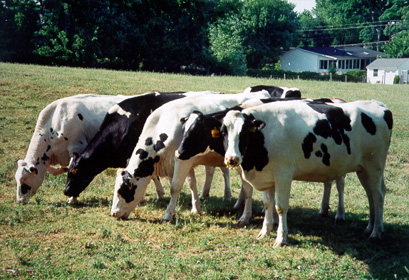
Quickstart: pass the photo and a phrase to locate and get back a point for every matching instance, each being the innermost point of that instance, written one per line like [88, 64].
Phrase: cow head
[129, 192]
[238, 129]
[78, 176]
[28, 180]
[200, 132]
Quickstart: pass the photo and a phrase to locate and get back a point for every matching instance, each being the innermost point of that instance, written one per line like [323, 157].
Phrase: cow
[63, 128]
[113, 144]
[154, 154]
[275, 144]
[274, 91]
[202, 135]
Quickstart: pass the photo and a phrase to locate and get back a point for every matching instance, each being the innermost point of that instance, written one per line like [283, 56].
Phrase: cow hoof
[278, 244]
[376, 239]
[243, 223]
[339, 221]
[73, 200]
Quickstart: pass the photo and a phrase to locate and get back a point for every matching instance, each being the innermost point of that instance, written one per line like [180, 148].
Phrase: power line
[353, 26]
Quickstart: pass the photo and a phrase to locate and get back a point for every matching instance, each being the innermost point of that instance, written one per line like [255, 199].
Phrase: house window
[323, 64]
[375, 72]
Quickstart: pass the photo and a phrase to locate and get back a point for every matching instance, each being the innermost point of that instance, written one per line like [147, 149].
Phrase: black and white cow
[202, 135]
[64, 127]
[154, 153]
[274, 91]
[113, 144]
[275, 144]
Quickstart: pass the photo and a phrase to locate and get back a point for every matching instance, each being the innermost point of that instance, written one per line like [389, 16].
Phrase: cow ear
[33, 170]
[257, 125]
[183, 120]
[74, 171]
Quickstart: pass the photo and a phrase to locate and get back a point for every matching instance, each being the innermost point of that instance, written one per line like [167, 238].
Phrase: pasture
[50, 239]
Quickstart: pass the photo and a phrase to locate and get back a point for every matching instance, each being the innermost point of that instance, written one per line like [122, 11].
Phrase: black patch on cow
[65, 138]
[45, 140]
[318, 154]
[142, 153]
[160, 143]
[45, 157]
[163, 137]
[80, 117]
[81, 142]
[326, 155]
[368, 124]
[338, 123]
[48, 148]
[322, 128]
[127, 190]
[146, 167]
[25, 188]
[51, 129]
[148, 141]
[307, 145]
[388, 118]
[251, 146]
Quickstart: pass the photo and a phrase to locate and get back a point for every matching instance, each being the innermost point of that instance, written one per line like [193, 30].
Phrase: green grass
[49, 239]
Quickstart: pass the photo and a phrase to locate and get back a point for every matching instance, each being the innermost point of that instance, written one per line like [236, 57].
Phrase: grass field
[50, 239]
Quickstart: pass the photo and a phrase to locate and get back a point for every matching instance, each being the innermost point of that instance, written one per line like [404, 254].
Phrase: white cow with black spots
[277, 143]
[63, 127]
[154, 154]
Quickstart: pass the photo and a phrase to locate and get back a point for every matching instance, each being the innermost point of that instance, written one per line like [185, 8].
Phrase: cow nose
[116, 215]
[232, 162]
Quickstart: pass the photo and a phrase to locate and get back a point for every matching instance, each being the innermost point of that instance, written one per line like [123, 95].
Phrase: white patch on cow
[117, 109]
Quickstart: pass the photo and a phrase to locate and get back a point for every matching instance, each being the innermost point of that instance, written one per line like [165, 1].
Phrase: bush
[396, 80]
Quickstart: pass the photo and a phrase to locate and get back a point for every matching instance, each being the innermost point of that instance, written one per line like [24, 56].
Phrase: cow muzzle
[123, 216]
[232, 162]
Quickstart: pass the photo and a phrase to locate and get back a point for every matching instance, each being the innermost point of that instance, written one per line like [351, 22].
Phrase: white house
[319, 59]
[384, 70]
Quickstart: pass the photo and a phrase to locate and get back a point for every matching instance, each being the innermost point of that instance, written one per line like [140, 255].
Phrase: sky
[301, 5]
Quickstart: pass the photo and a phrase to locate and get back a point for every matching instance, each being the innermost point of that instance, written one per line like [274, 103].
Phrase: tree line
[226, 36]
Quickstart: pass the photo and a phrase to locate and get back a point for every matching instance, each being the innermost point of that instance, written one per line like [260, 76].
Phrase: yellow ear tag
[215, 133]
[253, 129]
[74, 171]
[130, 188]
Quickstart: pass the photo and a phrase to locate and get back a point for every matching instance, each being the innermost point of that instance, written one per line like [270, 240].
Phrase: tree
[18, 22]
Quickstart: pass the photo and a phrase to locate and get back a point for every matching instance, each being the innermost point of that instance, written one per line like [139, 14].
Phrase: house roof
[343, 52]
[389, 64]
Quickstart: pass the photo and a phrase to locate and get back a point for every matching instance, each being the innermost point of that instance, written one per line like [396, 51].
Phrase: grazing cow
[113, 144]
[277, 143]
[64, 127]
[202, 135]
[154, 153]
[282, 92]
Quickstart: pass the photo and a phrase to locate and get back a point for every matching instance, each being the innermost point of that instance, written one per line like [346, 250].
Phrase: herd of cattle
[269, 134]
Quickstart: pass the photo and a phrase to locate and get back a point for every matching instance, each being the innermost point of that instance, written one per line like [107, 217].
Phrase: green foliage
[396, 80]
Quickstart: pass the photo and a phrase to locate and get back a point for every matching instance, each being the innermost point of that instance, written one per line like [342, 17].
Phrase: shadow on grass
[386, 259]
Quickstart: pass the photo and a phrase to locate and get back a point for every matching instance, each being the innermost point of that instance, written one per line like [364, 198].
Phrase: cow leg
[340, 216]
[159, 188]
[375, 188]
[226, 177]
[325, 199]
[247, 191]
[282, 196]
[181, 170]
[240, 200]
[191, 180]
[268, 199]
[208, 182]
